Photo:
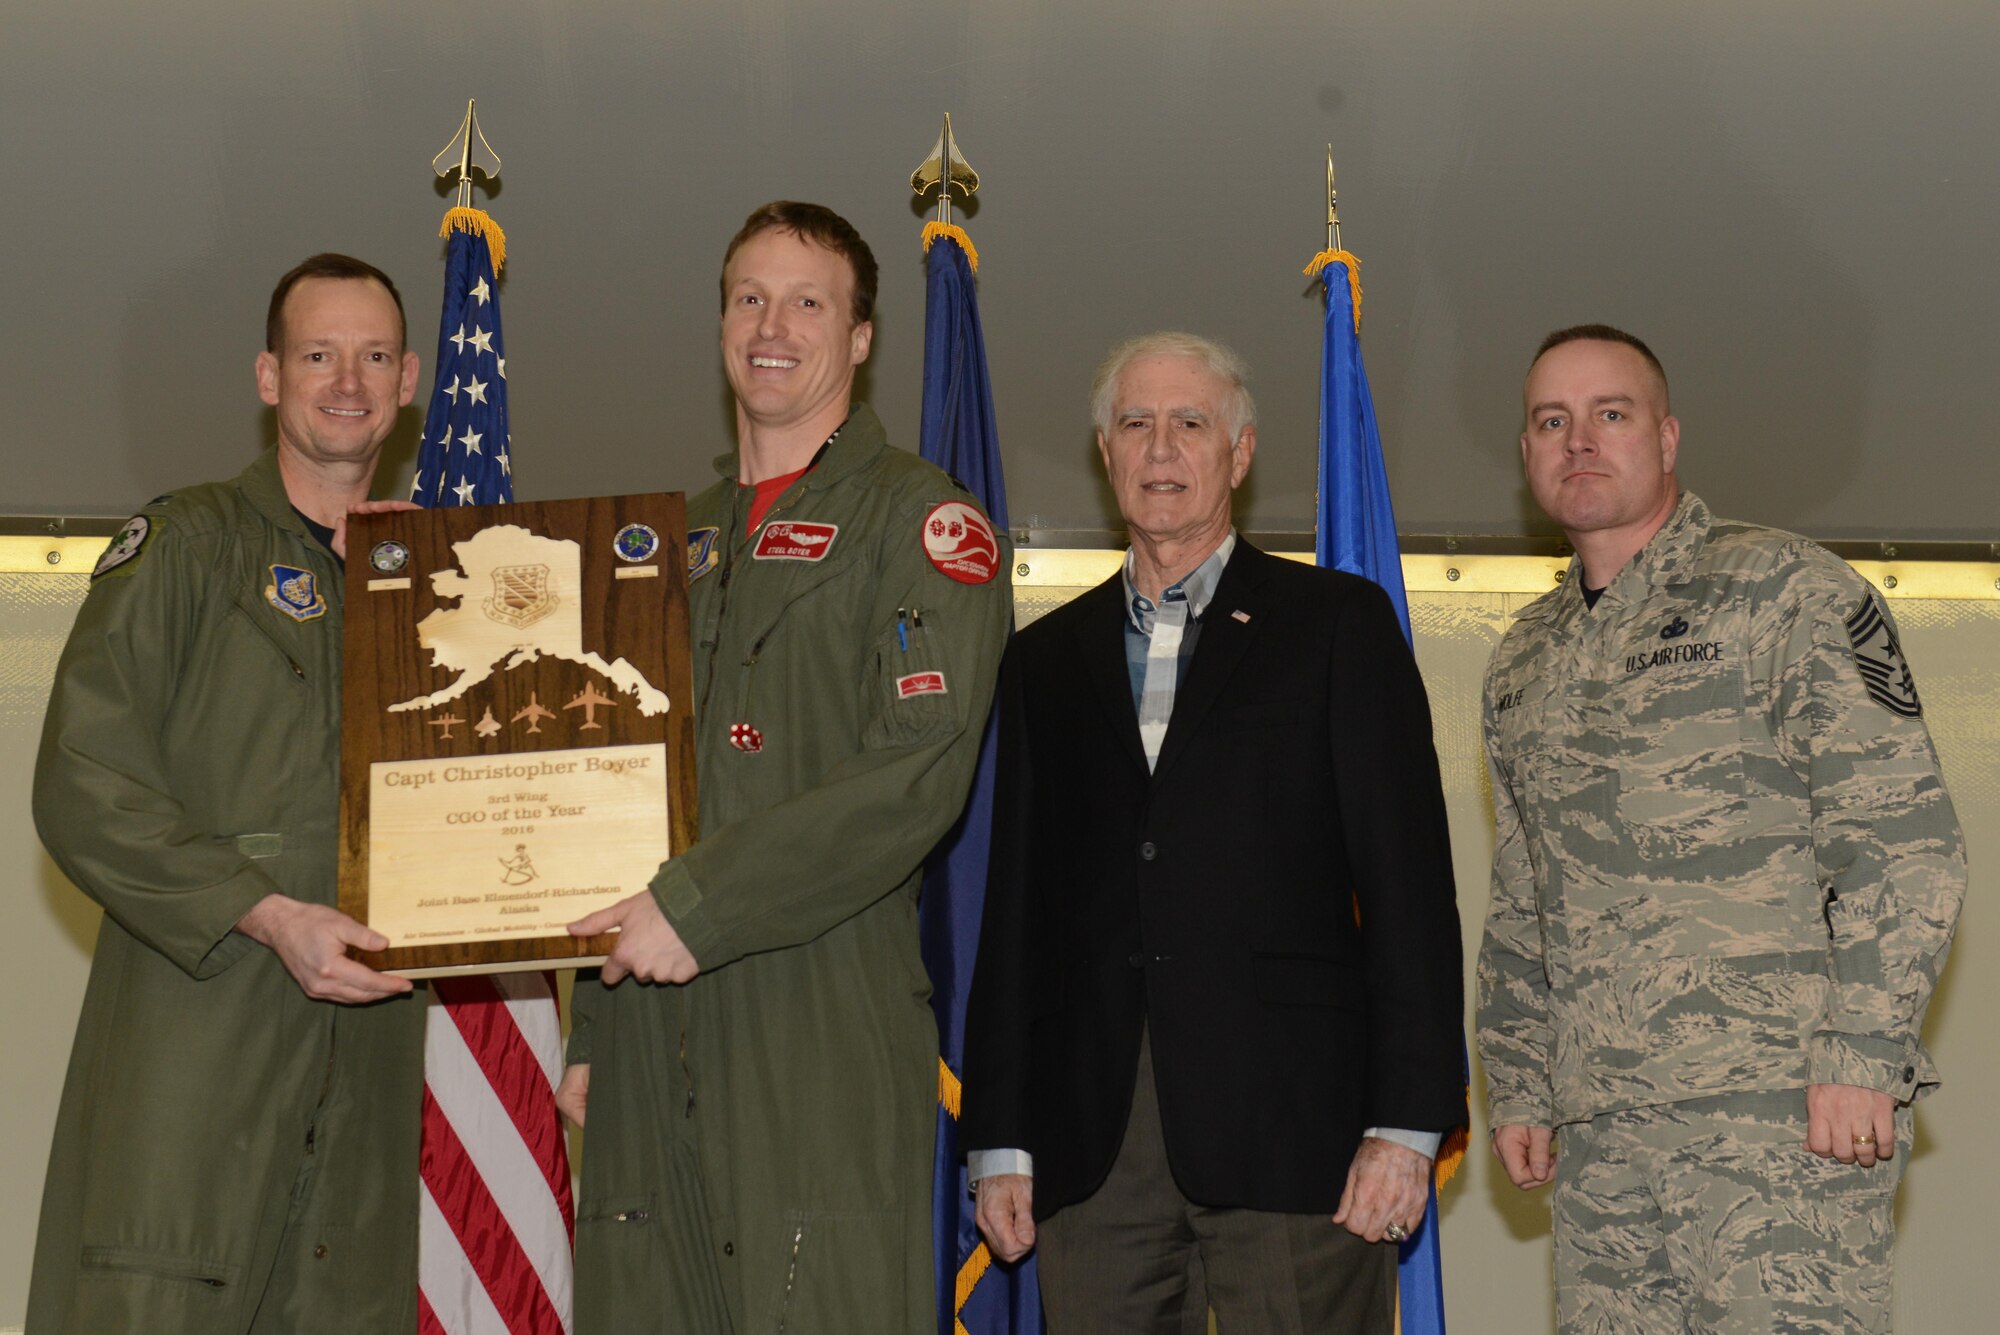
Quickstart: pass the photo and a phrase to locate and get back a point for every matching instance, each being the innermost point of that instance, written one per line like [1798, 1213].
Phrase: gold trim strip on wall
[1082, 567]
[1072, 567]
[1933, 579]
[49, 556]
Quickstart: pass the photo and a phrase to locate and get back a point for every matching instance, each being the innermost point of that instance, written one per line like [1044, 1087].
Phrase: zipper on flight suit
[791, 1276]
[734, 549]
[264, 634]
[685, 1072]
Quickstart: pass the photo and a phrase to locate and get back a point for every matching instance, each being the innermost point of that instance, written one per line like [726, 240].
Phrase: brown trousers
[1122, 1261]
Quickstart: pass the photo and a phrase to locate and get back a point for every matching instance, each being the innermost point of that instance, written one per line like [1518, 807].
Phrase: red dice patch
[960, 542]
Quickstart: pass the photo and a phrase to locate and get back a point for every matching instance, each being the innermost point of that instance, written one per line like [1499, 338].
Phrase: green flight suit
[758, 1154]
[229, 1155]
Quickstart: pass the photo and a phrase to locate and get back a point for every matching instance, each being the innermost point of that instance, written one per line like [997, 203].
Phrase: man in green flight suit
[762, 1090]
[236, 1148]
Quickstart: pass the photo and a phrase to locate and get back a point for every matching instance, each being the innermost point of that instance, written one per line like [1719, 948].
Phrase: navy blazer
[1274, 903]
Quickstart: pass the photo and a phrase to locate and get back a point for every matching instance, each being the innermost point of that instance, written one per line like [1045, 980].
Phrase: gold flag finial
[1332, 205]
[1334, 254]
[468, 152]
[944, 169]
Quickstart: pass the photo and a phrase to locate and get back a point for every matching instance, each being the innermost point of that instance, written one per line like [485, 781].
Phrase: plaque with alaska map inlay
[517, 742]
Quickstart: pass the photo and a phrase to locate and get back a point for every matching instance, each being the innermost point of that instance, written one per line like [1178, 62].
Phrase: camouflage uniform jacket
[1725, 859]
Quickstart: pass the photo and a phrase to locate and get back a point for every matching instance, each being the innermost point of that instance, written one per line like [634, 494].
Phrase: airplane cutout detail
[588, 699]
[533, 712]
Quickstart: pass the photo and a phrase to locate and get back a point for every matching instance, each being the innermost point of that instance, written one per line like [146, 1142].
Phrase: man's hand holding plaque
[648, 948]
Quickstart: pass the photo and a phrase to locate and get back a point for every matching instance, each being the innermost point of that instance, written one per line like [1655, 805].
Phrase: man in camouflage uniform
[1725, 881]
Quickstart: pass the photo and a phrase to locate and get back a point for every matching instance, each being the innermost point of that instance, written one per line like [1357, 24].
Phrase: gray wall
[1792, 198]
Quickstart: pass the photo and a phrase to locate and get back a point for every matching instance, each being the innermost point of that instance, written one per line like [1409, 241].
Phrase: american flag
[497, 1223]
[464, 458]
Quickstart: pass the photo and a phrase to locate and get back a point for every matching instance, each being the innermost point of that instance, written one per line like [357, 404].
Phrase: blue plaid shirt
[1160, 640]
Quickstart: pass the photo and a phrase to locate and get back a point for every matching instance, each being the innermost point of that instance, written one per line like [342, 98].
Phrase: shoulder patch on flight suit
[295, 593]
[702, 556]
[960, 542]
[1879, 655]
[126, 546]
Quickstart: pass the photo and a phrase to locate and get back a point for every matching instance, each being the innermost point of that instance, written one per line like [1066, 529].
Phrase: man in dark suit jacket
[1216, 1022]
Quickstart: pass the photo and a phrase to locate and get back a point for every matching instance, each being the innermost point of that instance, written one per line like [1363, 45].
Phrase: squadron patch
[1879, 655]
[125, 545]
[794, 541]
[295, 593]
[960, 542]
[702, 556]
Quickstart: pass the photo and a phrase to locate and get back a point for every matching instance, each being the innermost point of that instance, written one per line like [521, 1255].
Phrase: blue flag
[1357, 533]
[958, 436]
[464, 459]
[1357, 525]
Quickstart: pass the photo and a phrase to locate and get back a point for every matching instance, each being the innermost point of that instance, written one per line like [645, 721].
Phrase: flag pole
[1356, 532]
[491, 1250]
[944, 195]
[943, 170]
[958, 433]
[467, 153]
[1332, 205]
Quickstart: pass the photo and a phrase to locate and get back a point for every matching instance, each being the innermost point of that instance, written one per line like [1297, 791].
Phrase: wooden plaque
[517, 730]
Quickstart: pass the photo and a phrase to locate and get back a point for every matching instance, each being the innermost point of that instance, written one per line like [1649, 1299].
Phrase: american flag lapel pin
[1241, 615]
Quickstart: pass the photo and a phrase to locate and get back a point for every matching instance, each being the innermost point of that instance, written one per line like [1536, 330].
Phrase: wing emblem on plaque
[521, 595]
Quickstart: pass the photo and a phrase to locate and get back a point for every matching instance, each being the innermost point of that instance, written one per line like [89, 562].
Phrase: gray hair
[1214, 358]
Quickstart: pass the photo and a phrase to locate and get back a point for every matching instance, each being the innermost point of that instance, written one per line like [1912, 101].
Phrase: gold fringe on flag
[1353, 263]
[969, 1276]
[949, 1093]
[1450, 1155]
[478, 223]
[948, 1089]
[935, 229]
